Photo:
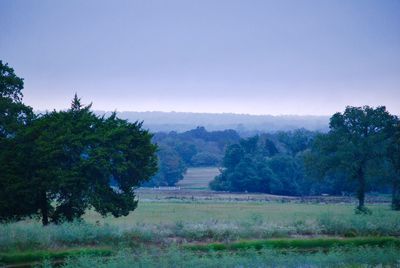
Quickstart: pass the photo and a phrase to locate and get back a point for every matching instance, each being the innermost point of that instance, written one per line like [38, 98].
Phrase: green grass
[174, 257]
[165, 222]
[241, 225]
[25, 236]
[198, 178]
[40, 255]
[281, 213]
[242, 220]
[314, 243]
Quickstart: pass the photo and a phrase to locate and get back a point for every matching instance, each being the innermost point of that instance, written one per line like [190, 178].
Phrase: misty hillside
[243, 123]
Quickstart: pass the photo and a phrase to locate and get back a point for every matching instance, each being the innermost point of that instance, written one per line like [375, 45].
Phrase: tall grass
[251, 221]
[40, 255]
[32, 235]
[359, 225]
[367, 257]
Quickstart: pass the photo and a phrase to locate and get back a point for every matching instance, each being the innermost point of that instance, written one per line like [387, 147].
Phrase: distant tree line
[194, 148]
[57, 164]
[244, 124]
[360, 153]
[269, 163]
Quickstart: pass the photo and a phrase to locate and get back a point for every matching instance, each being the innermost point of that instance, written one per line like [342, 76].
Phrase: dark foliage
[394, 162]
[302, 162]
[58, 164]
[356, 145]
[194, 148]
[257, 165]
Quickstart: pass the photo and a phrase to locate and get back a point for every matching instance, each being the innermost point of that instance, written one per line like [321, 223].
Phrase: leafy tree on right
[356, 143]
[394, 159]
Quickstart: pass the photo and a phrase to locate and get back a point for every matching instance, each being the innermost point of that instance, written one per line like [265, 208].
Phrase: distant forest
[244, 124]
[283, 149]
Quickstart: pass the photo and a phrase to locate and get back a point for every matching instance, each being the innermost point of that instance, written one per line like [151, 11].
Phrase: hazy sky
[257, 57]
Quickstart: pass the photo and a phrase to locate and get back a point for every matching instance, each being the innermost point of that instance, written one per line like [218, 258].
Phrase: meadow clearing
[206, 229]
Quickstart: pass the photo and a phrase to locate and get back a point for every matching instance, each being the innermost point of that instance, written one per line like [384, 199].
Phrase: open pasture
[187, 224]
[166, 227]
[198, 178]
[168, 212]
[175, 226]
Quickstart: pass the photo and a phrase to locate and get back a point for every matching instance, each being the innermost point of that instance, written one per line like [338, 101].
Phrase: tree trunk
[68, 212]
[396, 194]
[44, 208]
[361, 190]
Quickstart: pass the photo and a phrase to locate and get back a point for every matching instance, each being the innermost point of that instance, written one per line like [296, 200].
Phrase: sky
[305, 57]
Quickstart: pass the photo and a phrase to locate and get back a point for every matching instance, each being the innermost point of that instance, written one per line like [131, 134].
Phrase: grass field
[198, 178]
[243, 212]
[155, 227]
[186, 227]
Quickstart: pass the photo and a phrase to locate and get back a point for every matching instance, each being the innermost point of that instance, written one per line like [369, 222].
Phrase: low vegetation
[162, 223]
[33, 256]
[174, 257]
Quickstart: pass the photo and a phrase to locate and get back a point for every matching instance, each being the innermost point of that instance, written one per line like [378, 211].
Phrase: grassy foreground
[177, 222]
[174, 257]
[291, 253]
[207, 234]
[61, 254]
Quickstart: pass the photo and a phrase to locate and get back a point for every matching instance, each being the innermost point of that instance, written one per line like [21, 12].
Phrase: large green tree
[74, 156]
[58, 164]
[58, 143]
[355, 142]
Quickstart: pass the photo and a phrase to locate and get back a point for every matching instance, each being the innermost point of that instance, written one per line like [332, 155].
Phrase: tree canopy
[355, 144]
[58, 164]
[256, 164]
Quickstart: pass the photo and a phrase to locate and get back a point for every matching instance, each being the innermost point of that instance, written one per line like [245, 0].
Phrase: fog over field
[179, 121]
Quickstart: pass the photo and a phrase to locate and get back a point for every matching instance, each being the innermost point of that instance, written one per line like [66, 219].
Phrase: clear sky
[250, 56]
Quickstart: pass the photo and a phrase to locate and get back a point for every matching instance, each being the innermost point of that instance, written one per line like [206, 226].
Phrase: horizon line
[187, 112]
